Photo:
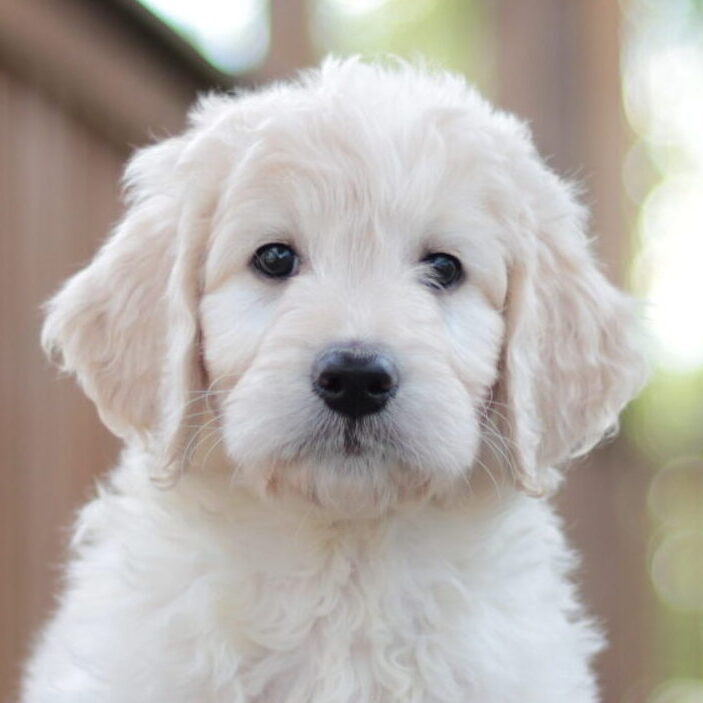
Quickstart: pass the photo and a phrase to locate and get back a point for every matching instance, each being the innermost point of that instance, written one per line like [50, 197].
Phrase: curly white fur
[239, 553]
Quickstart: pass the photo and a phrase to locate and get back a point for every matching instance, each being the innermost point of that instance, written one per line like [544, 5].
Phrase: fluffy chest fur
[240, 601]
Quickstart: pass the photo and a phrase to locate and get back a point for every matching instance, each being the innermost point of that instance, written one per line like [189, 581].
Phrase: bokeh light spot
[678, 691]
[677, 570]
[676, 493]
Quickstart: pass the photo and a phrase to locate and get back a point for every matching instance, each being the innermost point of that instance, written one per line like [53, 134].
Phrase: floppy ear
[126, 324]
[571, 359]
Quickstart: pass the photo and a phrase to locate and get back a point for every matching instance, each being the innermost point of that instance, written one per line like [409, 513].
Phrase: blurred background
[614, 94]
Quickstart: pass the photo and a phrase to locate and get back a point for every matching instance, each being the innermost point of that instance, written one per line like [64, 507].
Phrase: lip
[333, 436]
[352, 441]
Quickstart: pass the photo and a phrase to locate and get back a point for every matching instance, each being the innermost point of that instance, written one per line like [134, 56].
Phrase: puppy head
[374, 280]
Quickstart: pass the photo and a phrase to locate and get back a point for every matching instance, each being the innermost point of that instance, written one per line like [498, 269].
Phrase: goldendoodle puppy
[348, 329]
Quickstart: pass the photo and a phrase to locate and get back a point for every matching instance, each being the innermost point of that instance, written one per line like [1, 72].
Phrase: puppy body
[262, 540]
[203, 593]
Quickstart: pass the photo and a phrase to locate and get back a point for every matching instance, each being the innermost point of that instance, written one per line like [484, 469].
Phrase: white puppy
[347, 328]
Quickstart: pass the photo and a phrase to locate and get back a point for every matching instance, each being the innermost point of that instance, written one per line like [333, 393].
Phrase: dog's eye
[275, 260]
[444, 270]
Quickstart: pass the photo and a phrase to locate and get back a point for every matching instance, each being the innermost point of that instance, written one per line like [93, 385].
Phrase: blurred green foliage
[667, 419]
[455, 34]
[662, 54]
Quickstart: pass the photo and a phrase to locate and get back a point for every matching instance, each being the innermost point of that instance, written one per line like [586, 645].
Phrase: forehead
[334, 173]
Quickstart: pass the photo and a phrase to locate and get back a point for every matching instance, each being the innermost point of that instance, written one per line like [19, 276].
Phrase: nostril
[331, 383]
[380, 385]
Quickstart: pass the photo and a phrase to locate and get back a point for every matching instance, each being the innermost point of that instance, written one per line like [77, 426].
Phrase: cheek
[234, 319]
[454, 369]
[475, 332]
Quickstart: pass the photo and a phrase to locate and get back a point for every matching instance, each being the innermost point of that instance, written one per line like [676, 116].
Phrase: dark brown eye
[443, 270]
[275, 260]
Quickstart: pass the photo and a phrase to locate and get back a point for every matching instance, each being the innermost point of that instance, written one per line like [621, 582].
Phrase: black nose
[354, 381]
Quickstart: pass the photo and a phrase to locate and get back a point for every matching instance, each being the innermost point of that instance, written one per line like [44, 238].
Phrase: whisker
[217, 443]
[195, 441]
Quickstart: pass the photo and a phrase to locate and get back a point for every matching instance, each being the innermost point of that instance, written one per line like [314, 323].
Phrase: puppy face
[365, 231]
[374, 280]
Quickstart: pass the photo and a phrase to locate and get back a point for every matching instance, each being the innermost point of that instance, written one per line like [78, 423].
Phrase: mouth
[354, 438]
[367, 437]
